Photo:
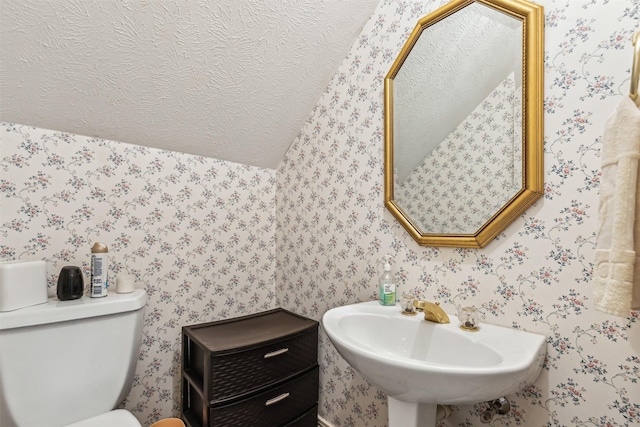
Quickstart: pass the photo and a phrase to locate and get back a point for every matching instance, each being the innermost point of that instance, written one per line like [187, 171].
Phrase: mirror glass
[457, 147]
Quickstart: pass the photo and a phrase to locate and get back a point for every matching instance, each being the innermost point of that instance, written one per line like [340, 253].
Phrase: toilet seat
[117, 417]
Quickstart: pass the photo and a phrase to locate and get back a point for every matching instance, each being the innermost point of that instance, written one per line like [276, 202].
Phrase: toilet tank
[66, 361]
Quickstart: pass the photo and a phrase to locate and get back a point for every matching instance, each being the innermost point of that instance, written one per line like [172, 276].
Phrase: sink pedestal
[411, 414]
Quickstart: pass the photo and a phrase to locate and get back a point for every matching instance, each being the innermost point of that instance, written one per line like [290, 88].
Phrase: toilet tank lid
[61, 311]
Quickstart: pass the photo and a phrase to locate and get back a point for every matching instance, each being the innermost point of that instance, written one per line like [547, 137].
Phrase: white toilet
[70, 362]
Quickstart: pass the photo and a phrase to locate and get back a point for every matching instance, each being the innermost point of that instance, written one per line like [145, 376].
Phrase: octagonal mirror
[464, 122]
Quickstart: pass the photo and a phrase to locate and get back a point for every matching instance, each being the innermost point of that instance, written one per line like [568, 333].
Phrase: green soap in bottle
[387, 286]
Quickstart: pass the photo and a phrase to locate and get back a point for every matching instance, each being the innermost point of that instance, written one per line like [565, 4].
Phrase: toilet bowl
[70, 362]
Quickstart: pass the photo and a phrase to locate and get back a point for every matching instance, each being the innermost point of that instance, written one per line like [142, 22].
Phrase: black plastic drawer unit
[259, 370]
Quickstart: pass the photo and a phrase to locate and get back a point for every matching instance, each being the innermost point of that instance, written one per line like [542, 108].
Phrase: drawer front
[237, 374]
[274, 407]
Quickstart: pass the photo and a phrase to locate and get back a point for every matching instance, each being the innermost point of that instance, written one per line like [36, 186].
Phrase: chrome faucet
[432, 311]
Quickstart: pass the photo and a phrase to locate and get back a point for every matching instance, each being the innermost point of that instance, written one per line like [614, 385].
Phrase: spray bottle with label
[387, 286]
[99, 270]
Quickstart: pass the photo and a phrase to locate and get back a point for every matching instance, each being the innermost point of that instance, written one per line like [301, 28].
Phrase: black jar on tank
[70, 283]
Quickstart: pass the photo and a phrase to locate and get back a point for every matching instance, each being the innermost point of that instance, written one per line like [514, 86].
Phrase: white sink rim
[411, 380]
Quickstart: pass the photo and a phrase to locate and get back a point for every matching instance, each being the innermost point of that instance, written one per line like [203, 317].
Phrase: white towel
[617, 285]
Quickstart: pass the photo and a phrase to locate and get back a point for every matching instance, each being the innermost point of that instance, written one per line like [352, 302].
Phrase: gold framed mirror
[464, 122]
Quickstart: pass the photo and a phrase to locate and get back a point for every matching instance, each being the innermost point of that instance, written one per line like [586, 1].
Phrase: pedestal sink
[421, 364]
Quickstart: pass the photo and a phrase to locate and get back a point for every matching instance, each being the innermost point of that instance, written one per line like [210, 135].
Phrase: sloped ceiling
[228, 79]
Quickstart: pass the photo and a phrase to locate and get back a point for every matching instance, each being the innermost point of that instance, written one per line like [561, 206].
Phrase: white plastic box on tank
[22, 284]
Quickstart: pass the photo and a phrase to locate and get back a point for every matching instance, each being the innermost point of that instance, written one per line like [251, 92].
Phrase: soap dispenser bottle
[387, 286]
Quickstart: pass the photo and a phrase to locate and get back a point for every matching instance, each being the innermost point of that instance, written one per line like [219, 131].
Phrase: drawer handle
[276, 399]
[276, 353]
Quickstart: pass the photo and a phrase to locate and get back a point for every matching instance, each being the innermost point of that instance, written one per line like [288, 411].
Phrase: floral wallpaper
[333, 230]
[210, 239]
[443, 193]
[198, 234]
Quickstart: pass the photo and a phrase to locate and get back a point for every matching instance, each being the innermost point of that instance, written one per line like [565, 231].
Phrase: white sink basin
[413, 360]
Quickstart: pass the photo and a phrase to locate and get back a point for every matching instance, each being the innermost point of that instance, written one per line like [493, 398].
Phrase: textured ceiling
[229, 79]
